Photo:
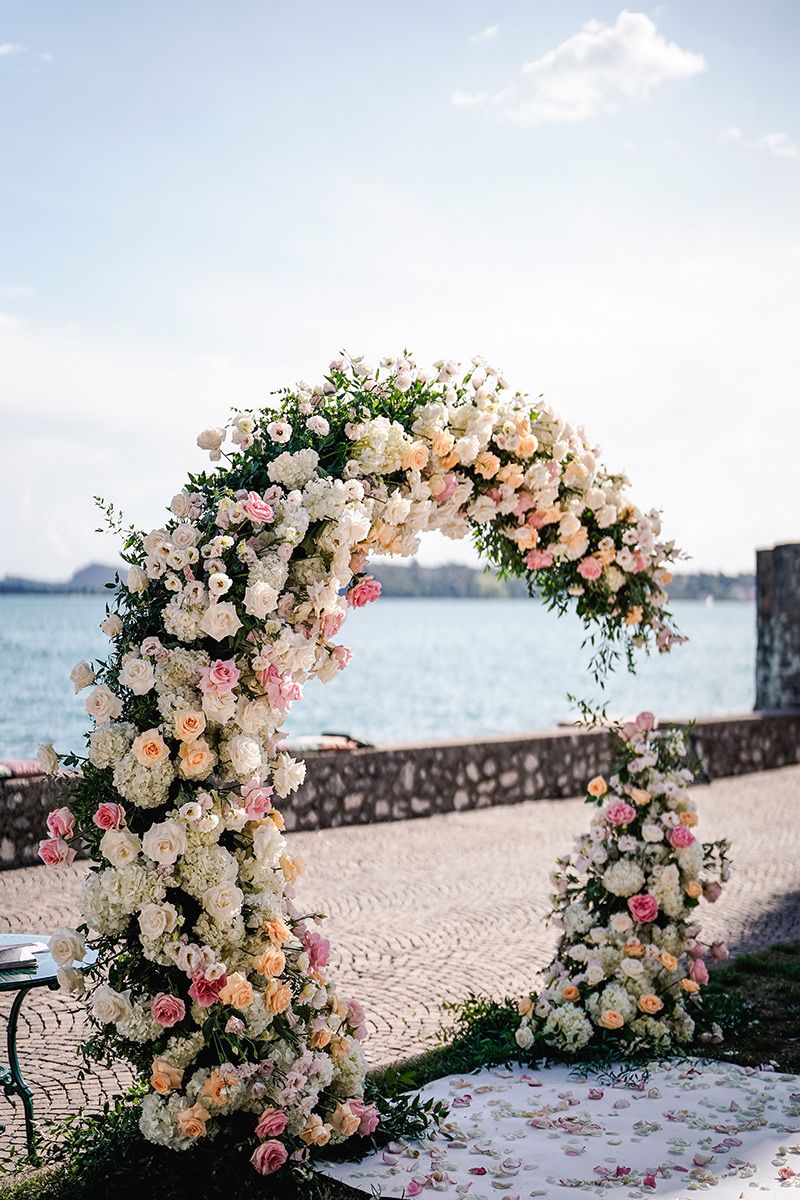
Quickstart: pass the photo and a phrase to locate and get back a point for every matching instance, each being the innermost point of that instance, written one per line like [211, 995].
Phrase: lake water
[421, 669]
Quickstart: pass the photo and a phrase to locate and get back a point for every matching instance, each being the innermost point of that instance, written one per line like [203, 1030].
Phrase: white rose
[220, 621]
[223, 902]
[268, 845]
[47, 759]
[652, 833]
[606, 517]
[110, 1007]
[245, 755]
[138, 675]
[595, 972]
[260, 599]
[288, 775]
[211, 439]
[181, 505]
[71, 981]
[165, 842]
[279, 431]
[112, 625]
[621, 923]
[632, 967]
[137, 580]
[66, 946]
[103, 705]
[219, 709]
[157, 919]
[82, 675]
[120, 846]
[184, 536]
[524, 1037]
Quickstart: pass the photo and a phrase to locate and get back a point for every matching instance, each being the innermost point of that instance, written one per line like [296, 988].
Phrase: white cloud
[779, 144]
[469, 99]
[16, 291]
[731, 134]
[587, 75]
[486, 35]
[9, 48]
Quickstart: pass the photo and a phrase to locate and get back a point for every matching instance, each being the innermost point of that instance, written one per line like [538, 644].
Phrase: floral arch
[209, 980]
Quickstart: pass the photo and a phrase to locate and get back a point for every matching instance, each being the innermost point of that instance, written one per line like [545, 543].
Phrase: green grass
[108, 1160]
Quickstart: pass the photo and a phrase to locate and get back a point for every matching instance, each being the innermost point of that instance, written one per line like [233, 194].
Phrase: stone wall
[778, 648]
[395, 782]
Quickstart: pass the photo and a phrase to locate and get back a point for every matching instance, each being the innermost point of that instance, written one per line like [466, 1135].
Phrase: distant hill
[91, 578]
[449, 581]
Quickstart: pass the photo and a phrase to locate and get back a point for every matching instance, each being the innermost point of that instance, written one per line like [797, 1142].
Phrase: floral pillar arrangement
[210, 979]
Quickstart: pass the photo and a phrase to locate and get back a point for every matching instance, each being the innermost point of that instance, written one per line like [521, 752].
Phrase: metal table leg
[12, 1080]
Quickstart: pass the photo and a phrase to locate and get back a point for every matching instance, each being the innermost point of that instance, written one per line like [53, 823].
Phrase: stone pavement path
[429, 910]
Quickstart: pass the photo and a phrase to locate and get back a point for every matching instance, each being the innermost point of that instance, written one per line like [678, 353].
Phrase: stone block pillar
[778, 616]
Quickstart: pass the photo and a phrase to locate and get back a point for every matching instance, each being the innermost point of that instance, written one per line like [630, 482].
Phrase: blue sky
[202, 201]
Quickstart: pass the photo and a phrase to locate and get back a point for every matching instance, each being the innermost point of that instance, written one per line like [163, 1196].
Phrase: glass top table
[20, 981]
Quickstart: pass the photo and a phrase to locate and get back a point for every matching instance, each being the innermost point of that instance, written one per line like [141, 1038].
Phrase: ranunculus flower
[55, 852]
[364, 592]
[61, 823]
[271, 1123]
[643, 908]
[681, 837]
[269, 1157]
[109, 815]
[167, 1010]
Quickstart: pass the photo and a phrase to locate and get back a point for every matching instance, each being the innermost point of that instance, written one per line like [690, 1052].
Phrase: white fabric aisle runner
[519, 1133]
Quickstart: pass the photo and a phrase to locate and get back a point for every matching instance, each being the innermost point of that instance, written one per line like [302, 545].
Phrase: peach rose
[277, 818]
[597, 787]
[189, 723]
[650, 1004]
[442, 443]
[450, 460]
[237, 992]
[634, 615]
[512, 475]
[192, 1121]
[668, 961]
[415, 457]
[528, 445]
[640, 796]
[570, 993]
[525, 1006]
[693, 889]
[149, 748]
[277, 997]
[270, 963]
[611, 1019]
[690, 986]
[634, 949]
[291, 867]
[320, 1038]
[316, 1132]
[689, 819]
[344, 1121]
[197, 759]
[216, 1088]
[487, 464]
[277, 930]
[165, 1077]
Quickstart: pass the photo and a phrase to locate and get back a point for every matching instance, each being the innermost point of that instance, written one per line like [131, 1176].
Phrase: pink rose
[712, 892]
[681, 837]
[257, 800]
[205, 992]
[332, 623]
[167, 1010]
[281, 690]
[61, 823]
[643, 908]
[318, 949]
[589, 568]
[364, 592]
[271, 1123]
[356, 1019]
[538, 560]
[55, 851]
[256, 508]
[450, 485]
[109, 815]
[268, 1157]
[699, 972]
[368, 1114]
[645, 721]
[220, 678]
[696, 949]
[341, 656]
[620, 813]
[719, 952]
[235, 1025]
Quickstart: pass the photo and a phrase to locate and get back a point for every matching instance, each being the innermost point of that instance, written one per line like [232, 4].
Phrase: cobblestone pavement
[429, 910]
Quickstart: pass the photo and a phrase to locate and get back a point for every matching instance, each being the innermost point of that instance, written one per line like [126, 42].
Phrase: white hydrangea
[567, 1028]
[108, 743]
[293, 470]
[623, 878]
[146, 787]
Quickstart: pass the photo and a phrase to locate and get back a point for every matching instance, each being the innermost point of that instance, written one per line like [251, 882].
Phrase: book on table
[21, 957]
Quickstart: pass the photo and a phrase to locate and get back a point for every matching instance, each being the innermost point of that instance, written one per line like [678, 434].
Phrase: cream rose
[82, 675]
[211, 439]
[165, 842]
[137, 580]
[102, 705]
[268, 845]
[157, 919]
[66, 946]
[112, 625]
[260, 599]
[245, 755]
[223, 902]
[71, 981]
[110, 1007]
[220, 621]
[47, 759]
[138, 675]
[120, 846]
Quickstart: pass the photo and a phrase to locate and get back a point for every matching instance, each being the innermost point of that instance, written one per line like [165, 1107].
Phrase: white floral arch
[209, 979]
